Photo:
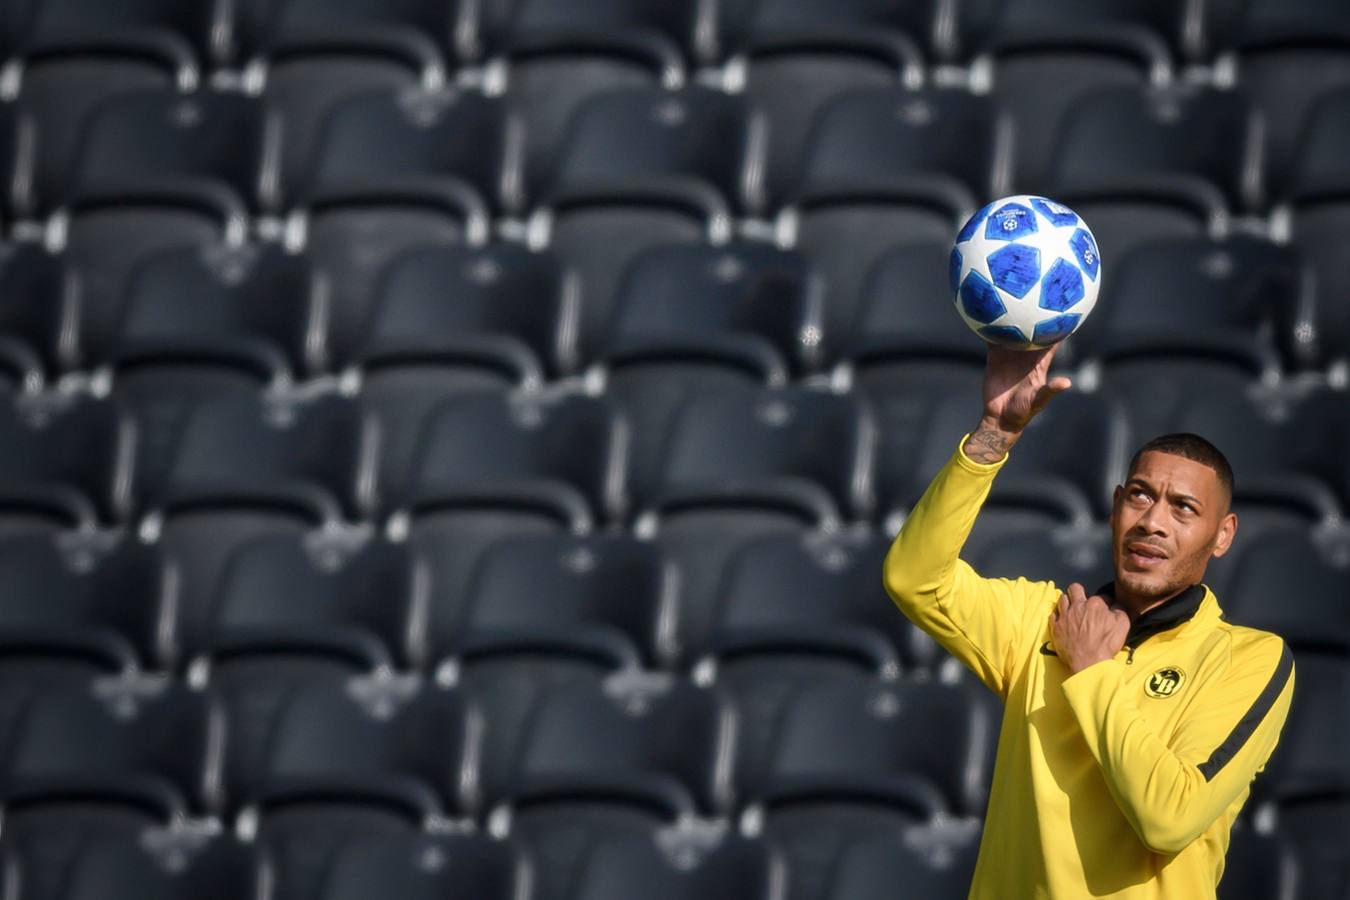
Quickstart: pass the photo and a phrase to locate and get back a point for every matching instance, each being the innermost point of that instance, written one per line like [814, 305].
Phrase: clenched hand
[1086, 630]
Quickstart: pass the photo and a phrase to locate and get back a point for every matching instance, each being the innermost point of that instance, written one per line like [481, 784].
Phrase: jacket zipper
[1129, 660]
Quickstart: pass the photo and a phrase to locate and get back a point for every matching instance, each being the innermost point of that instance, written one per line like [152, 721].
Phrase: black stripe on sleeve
[1247, 724]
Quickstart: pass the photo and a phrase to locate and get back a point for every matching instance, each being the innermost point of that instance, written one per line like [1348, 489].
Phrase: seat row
[555, 763]
[558, 761]
[675, 864]
[378, 604]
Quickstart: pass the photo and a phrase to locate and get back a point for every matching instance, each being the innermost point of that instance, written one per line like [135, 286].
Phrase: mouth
[1143, 556]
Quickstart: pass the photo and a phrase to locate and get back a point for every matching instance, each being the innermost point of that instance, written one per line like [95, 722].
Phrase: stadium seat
[1157, 163]
[904, 313]
[1313, 614]
[1037, 64]
[1285, 55]
[356, 758]
[791, 58]
[642, 168]
[564, 455]
[435, 29]
[857, 761]
[815, 594]
[1259, 867]
[1313, 210]
[303, 76]
[1243, 305]
[113, 608]
[251, 307]
[935, 862]
[405, 138]
[127, 201]
[693, 319]
[246, 465]
[355, 216]
[114, 755]
[62, 84]
[190, 30]
[1314, 828]
[595, 759]
[608, 600]
[162, 864]
[888, 167]
[492, 466]
[744, 464]
[452, 319]
[66, 462]
[37, 308]
[681, 863]
[286, 593]
[428, 867]
[1307, 764]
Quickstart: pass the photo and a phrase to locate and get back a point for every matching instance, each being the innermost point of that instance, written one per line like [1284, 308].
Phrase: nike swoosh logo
[1045, 648]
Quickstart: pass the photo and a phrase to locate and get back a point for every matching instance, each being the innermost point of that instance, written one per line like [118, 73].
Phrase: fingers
[1077, 594]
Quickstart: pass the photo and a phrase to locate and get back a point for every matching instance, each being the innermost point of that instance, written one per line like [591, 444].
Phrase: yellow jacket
[1120, 781]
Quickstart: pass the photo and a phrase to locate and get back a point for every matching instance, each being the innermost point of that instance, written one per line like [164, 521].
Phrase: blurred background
[448, 447]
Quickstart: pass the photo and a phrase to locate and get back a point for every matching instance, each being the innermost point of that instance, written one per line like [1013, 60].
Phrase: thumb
[1056, 385]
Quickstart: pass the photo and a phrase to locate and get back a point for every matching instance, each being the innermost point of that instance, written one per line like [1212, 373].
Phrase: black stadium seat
[604, 599]
[681, 864]
[1283, 56]
[66, 461]
[446, 320]
[112, 607]
[1315, 611]
[392, 171]
[493, 465]
[1244, 305]
[1259, 866]
[1148, 164]
[247, 465]
[792, 58]
[631, 755]
[443, 27]
[888, 167]
[355, 758]
[163, 865]
[743, 464]
[428, 867]
[692, 319]
[641, 168]
[1314, 210]
[926, 861]
[852, 762]
[1038, 62]
[552, 56]
[36, 309]
[114, 755]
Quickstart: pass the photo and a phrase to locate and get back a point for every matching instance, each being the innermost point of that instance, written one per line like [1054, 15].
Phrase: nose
[1154, 520]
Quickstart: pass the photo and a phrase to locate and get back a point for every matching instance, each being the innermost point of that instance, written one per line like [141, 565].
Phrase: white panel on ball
[1025, 272]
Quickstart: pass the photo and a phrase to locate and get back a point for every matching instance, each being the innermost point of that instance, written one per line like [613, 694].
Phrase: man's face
[1167, 520]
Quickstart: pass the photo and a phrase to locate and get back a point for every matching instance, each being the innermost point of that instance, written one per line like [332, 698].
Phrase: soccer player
[1135, 717]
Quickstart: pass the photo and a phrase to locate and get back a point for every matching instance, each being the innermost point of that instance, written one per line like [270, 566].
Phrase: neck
[1136, 605]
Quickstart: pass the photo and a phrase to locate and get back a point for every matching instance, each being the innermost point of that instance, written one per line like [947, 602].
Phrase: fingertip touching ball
[1025, 272]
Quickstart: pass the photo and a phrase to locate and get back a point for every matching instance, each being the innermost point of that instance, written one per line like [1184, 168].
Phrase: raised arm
[979, 620]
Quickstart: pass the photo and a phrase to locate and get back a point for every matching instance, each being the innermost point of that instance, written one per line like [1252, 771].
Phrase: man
[1136, 718]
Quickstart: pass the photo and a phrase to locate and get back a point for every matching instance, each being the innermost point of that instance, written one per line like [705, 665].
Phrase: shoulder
[1254, 652]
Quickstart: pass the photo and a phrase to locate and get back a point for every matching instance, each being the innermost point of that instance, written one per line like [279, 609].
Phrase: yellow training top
[1120, 781]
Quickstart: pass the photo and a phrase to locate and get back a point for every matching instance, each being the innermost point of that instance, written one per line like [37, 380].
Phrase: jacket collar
[1177, 611]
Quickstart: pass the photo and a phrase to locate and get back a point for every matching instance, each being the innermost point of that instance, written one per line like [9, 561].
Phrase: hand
[1016, 387]
[1086, 630]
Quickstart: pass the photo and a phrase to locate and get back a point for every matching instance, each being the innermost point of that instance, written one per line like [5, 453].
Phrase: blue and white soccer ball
[1025, 271]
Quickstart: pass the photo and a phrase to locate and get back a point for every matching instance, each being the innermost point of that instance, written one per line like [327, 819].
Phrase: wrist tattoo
[986, 445]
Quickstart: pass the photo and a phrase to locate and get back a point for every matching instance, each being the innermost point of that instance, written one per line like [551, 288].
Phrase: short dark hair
[1192, 447]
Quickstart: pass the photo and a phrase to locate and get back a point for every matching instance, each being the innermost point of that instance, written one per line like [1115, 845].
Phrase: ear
[1227, 531]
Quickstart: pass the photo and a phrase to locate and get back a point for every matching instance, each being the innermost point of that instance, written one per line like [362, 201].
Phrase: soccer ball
[1025, 272]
